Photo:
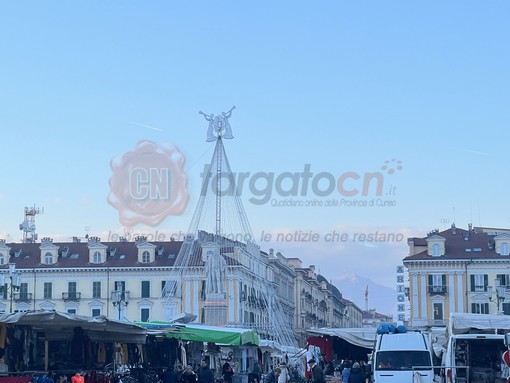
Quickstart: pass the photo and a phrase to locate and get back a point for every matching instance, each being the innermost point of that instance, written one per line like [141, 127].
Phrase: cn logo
[148, 184]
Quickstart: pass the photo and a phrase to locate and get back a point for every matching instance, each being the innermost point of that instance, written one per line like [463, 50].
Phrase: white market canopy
[362, 337]
[461, 323]
[60, 326]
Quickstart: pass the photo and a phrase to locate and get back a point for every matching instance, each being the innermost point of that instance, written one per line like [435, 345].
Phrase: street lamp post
[499, 293]
[120, 299]
[12, 285]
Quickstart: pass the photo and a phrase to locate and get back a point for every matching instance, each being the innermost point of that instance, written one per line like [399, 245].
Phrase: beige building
[130, 281]
[456, 270]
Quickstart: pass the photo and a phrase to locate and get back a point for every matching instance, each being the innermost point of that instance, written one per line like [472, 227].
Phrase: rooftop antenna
[28, 224]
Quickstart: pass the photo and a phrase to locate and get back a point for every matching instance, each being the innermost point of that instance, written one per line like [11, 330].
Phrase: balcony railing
[22, 297]
[437, 289]
[71, 296]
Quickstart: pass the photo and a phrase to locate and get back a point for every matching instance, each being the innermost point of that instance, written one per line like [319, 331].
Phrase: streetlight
[120, 299]
[499, 292]
[13, 285]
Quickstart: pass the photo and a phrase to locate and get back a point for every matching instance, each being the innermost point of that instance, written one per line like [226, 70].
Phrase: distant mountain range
[381, 298]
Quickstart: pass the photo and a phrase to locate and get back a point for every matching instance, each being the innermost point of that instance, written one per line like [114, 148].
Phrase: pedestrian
[179, 370]
[356, 375]
[188, 375]
[272, 377]
[170, 376]
[205, 374]
[257, 371]
[317, 373]
[227, 372]
[346, 372]
[330, 369]
[284, 373]
[77, 378]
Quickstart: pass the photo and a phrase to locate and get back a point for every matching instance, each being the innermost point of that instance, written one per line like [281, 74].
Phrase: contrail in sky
[476, 152]
[145, 126]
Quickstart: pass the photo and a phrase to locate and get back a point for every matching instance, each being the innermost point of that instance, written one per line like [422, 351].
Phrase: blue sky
[341, 86]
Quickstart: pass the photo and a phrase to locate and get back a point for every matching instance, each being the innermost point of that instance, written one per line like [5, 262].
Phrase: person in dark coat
[188, 376]
[356, 375]
[317, 373]
[272, 377]
[170, 376]
[205, 374]
[227, 372]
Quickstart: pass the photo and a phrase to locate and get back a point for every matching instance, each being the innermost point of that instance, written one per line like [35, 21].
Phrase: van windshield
[403, 360]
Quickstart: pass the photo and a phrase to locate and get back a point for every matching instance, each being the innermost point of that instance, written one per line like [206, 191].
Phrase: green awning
[231, 336]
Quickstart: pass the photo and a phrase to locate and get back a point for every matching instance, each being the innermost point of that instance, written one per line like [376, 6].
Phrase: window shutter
[486, 282]
[472, 283]
[443, 279]
[431, 280]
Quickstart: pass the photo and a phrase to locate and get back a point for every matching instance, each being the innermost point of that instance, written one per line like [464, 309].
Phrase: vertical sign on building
[401, 298]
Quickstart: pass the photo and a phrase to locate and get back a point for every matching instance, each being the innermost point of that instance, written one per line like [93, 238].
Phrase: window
[48, 290]
[96, 289]
[71, 311]
[436, 250]
[48, 258]
[146, 258]
[23, 291]
[120, 286]
[504, 279]
[146, 289]
[96, 312]
[168, 288]
[97, 257]
[479, 282]
[144, 315]
[402, 360]
[2, 259]
[480, 308]
[437, 283]
[504, 248]
[438, 311]
[71, 290]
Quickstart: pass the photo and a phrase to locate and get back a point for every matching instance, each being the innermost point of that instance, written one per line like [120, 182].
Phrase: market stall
[42, 340]
[218, 345]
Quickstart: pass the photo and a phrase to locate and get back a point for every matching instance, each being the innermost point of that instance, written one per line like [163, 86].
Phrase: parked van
[476, 343]
[402, 357]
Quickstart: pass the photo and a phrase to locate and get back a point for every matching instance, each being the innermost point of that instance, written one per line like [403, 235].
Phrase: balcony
[437, 289]
[22, 297]
[72, 296]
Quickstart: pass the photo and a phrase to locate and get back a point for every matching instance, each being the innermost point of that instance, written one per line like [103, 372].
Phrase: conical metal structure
[219, 262]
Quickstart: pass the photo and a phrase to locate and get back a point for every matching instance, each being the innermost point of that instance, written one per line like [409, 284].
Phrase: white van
[402, 358]
[476, 343]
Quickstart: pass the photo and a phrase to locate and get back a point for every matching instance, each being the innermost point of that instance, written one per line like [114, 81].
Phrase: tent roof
[60, 326]
[231, 336]
[362, 337]
[465, 322]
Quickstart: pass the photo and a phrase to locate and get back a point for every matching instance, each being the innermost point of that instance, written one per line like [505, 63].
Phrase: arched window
[146, 257]
[504, 248]
[48, 258]
[436, 250]
[97, 257]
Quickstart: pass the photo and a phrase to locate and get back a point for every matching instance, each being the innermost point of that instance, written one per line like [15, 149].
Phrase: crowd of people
[347, 372]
